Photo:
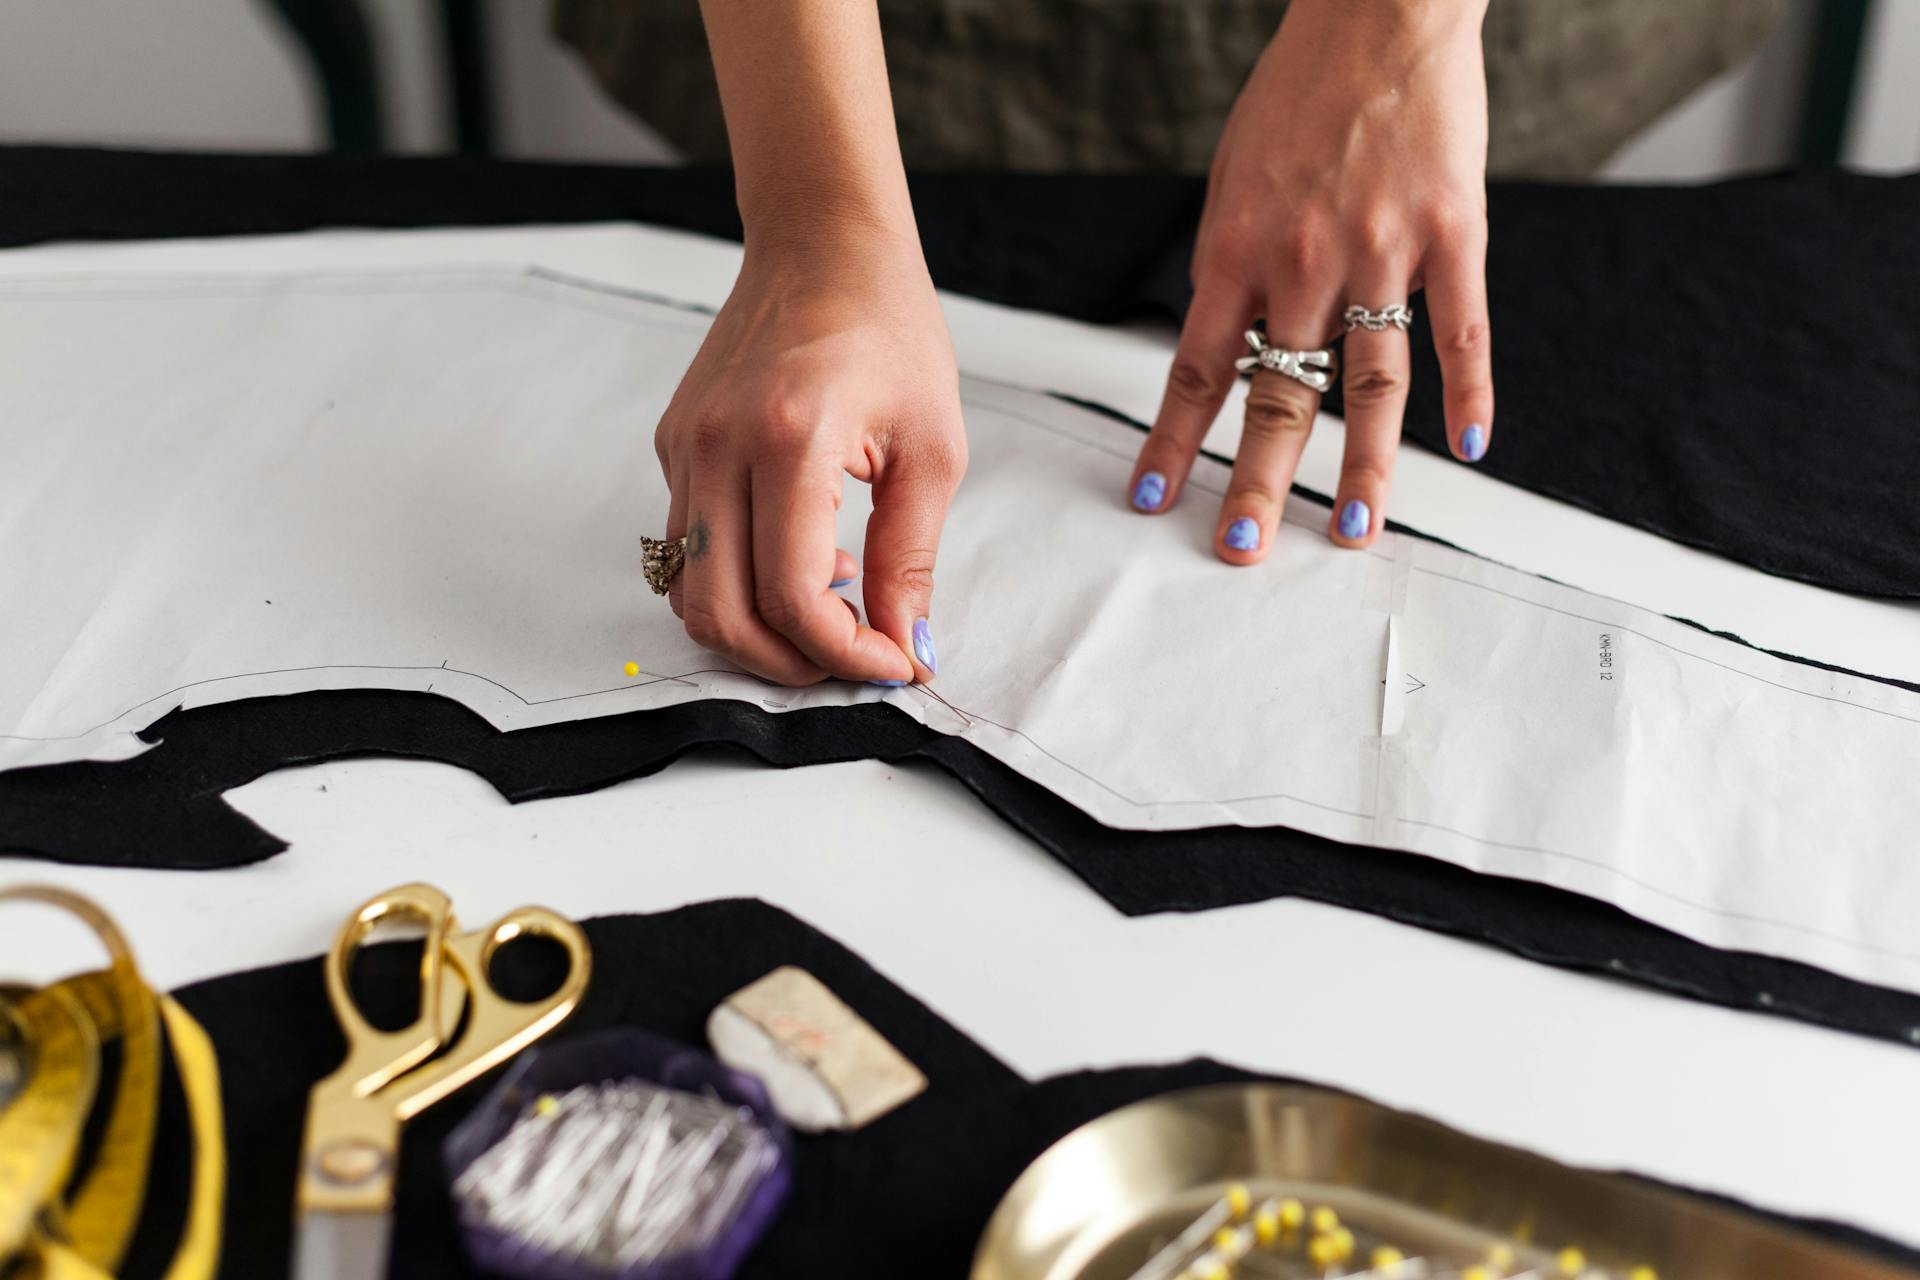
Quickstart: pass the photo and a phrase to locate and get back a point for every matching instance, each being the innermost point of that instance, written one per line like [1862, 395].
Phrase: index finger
[1197, 385]
[794, 557]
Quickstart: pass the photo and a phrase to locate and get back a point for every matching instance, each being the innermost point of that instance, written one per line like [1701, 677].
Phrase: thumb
[910, 500]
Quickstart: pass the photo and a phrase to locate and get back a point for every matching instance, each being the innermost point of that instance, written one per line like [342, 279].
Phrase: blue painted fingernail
[1243, 534]
[1355, 520]
[1149, 491]
[923, 646]
[1473, 442]
[888, 684]
[838, 583]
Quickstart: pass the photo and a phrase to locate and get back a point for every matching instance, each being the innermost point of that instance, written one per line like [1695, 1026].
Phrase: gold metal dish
[1098, 1203]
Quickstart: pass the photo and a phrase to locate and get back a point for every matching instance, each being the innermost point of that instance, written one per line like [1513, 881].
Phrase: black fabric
[1733, 366]
[1091, 247]
[906, 1196]
[164, 809]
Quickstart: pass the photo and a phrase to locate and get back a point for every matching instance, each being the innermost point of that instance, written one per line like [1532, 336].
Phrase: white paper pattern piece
[219, 487]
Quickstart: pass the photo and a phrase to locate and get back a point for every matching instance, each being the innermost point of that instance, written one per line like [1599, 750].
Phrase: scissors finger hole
[384, 971]
[525, 966]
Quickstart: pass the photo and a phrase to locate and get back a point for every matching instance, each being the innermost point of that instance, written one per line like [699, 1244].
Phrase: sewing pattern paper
[227, 486]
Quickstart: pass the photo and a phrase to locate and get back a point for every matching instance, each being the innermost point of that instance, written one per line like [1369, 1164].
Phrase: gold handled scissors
[344, 1199]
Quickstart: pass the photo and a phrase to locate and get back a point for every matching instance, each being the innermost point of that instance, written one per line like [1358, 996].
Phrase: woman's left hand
[1352, 171]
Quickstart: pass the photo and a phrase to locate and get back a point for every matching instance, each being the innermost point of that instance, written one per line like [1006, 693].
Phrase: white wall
[1884, 131]
[225, 74]
[1749, 118]
[221, 73]
[174, 73]
[548, 106]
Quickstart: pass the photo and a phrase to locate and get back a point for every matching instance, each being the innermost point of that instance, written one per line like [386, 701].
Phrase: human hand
[1352, 170]
[830, 358]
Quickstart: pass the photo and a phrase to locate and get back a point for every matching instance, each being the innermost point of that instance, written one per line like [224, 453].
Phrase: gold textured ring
[660, 561]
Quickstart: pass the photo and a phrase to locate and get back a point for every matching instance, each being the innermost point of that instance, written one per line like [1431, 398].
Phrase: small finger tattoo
[697, 538]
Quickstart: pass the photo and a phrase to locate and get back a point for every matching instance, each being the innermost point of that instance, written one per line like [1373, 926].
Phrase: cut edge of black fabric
[167, 798]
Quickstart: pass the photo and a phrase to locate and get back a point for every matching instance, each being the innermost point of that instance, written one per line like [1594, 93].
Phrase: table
[904, 868]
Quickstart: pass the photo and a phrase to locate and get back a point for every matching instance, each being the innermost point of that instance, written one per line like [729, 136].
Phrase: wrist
[1428, 21]
[804, 229]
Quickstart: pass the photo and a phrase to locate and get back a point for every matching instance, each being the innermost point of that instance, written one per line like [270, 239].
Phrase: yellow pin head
[632, 669]
[1239, 1200]
[1571, 1261]
[1324, 1219]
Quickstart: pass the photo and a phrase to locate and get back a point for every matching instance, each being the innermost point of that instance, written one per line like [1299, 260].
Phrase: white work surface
[906, 869]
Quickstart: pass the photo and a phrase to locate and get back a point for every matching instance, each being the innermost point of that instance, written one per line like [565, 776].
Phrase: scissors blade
[330, 1245]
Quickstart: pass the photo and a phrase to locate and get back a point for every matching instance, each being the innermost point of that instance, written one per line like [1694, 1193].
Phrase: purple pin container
[612, 1057]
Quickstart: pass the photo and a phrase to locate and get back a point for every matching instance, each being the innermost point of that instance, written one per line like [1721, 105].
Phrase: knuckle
[911, 572]
[708, 440]
[1276, 415]
[787, 424]
[1232, 246]
[1465, 340]
[1471, 397]
[1246, 492]
[709, 628]
[1305, 247]
[780, 608]
[944, 458]
[1363, 475]
[1377, 233]
[1195, 384]
[1456, 221]
[1372, 386]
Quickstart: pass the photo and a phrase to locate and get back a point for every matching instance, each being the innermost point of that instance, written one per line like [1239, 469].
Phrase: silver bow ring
[1312, 369]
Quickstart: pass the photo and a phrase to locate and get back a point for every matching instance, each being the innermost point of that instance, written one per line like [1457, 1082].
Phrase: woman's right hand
[830, 358]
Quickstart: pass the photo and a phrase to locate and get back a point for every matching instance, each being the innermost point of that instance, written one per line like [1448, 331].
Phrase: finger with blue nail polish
[1378, 369]
[923, 646]
[1279, 416]
[1473, 443]
[1355, 520]
[1243, 534]
[1197, 384]
[1149, 492]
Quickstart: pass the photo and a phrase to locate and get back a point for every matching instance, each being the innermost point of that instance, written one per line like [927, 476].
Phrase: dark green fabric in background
[1144, 86]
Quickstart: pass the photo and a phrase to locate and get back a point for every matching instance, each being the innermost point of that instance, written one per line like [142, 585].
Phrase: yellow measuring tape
[54, 1226]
